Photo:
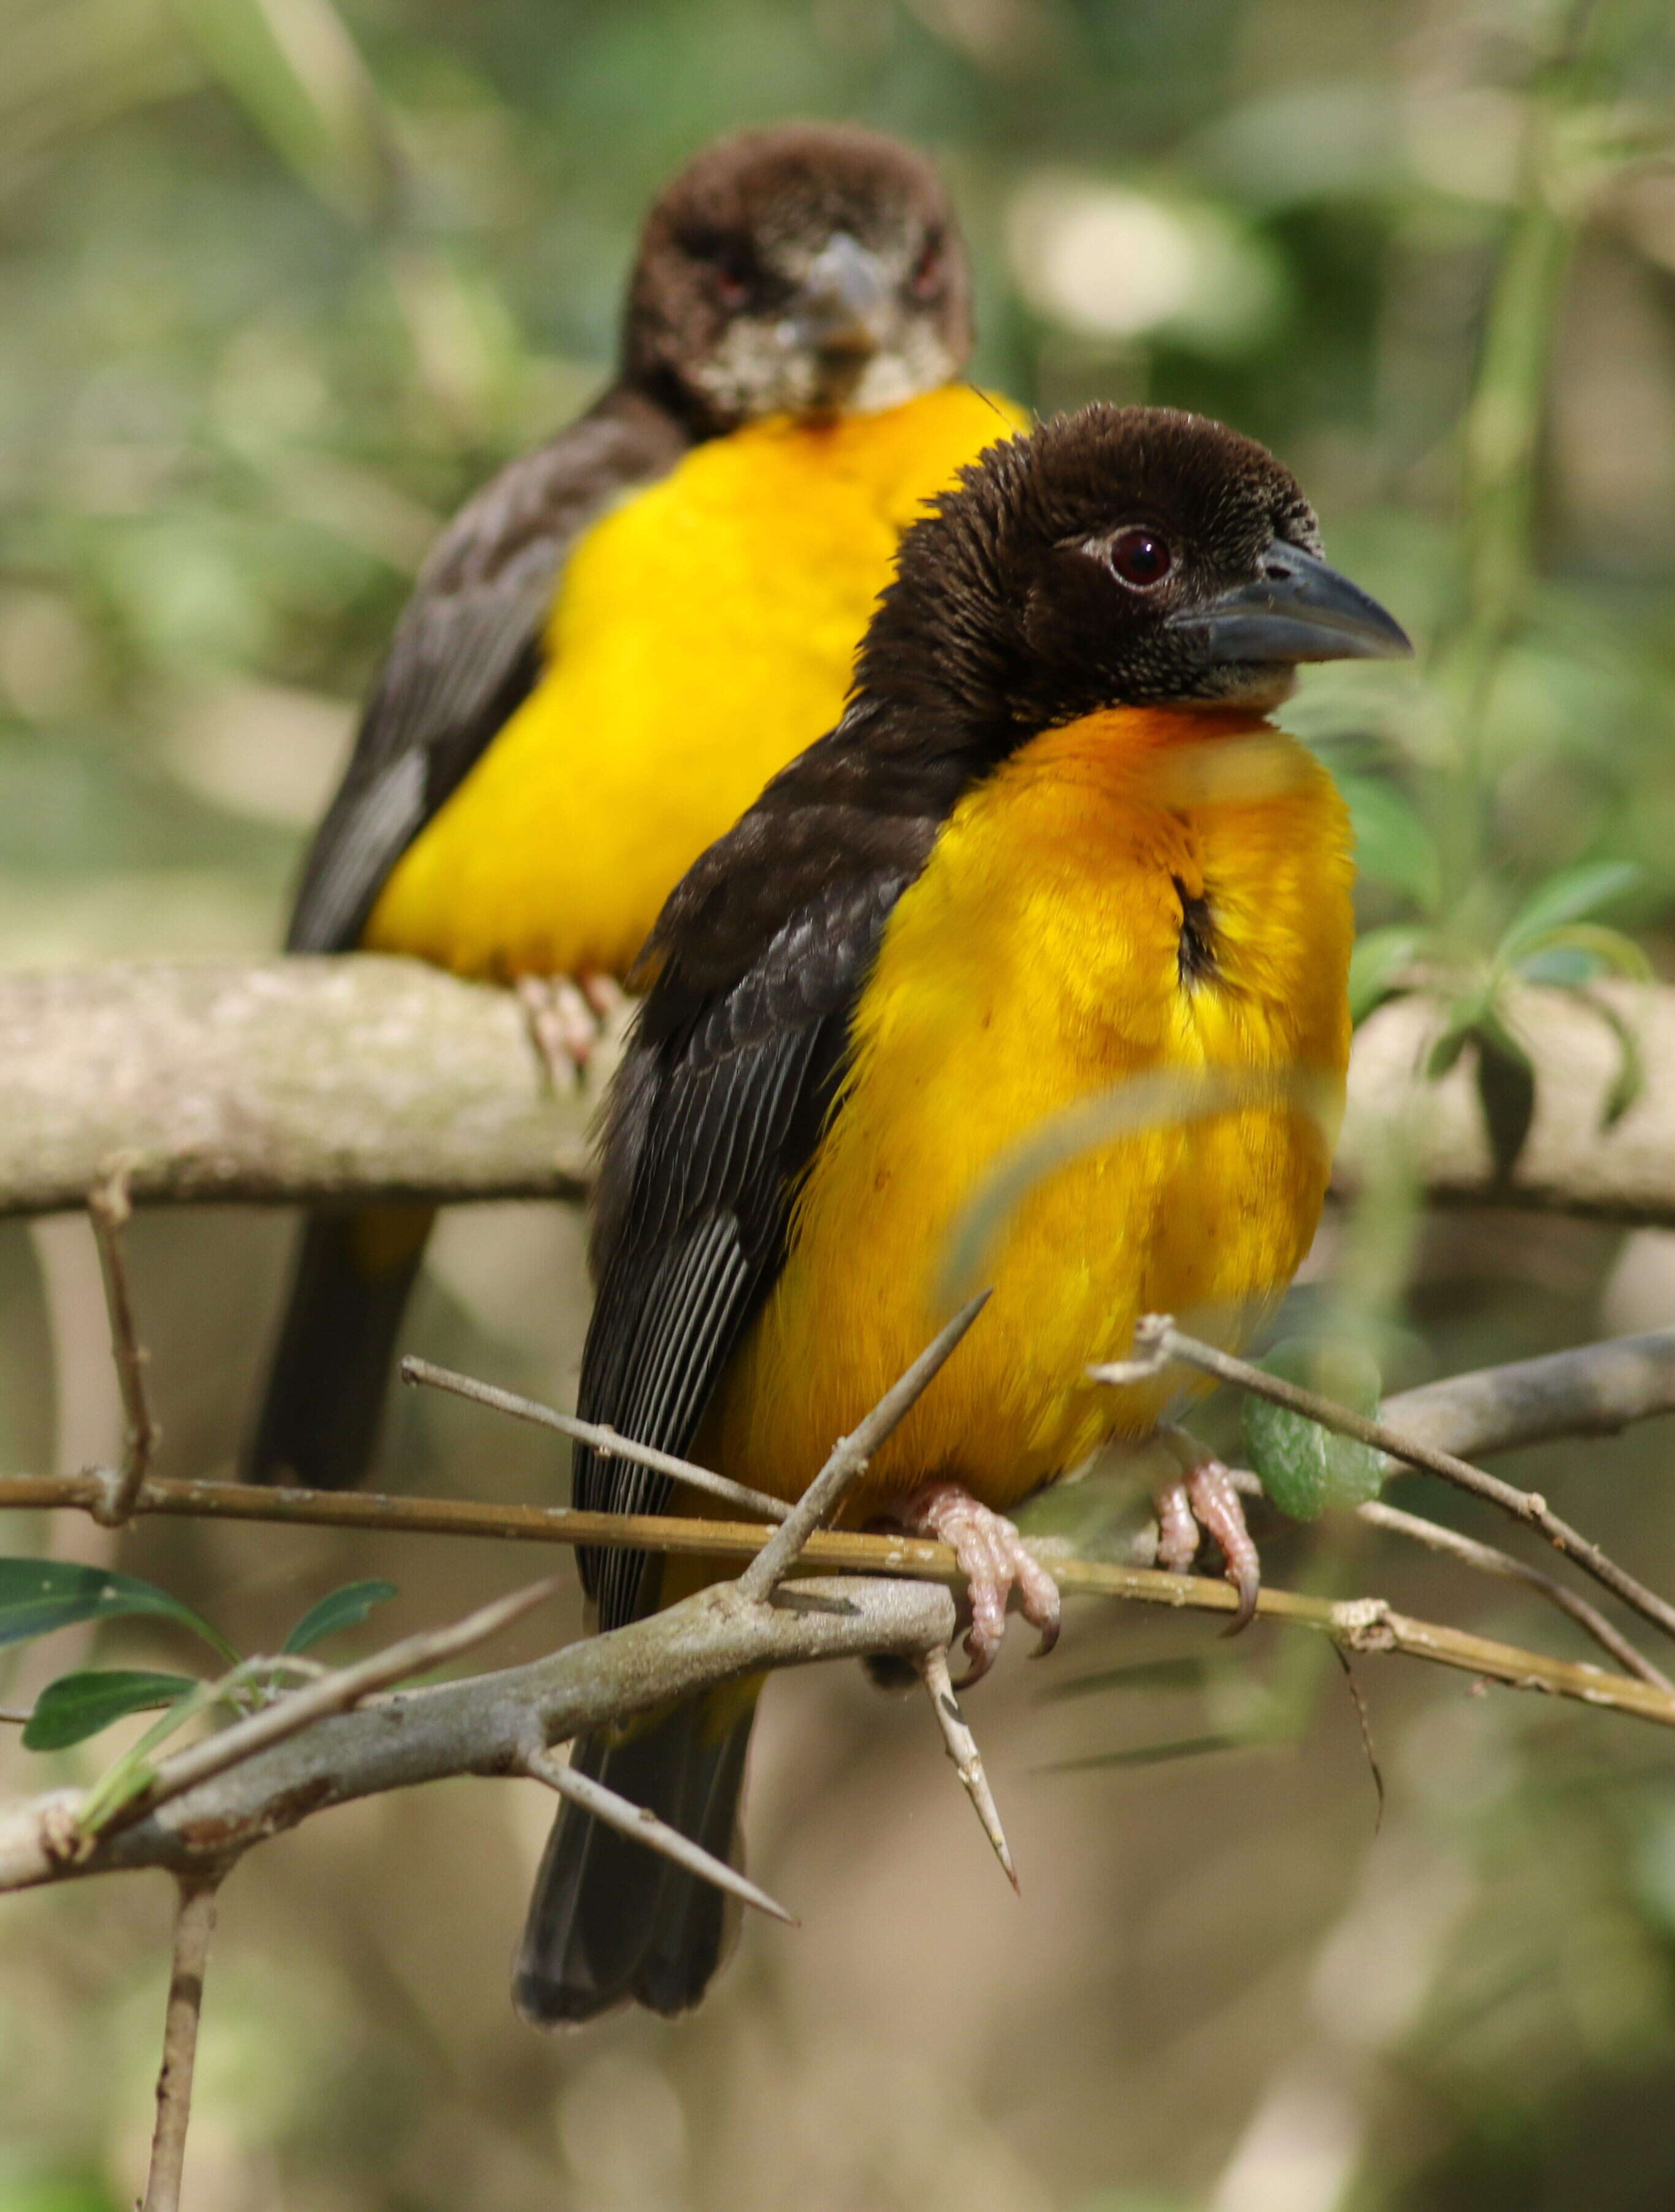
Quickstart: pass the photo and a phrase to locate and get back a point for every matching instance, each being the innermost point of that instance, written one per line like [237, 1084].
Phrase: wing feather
[721, 1101]
[466, 652]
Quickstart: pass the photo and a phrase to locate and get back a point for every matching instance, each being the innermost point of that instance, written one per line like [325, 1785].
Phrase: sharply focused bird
[621, 638]
[1053, 847]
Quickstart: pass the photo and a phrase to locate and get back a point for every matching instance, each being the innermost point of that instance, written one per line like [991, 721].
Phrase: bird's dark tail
[611, 1919]
[319, 1419]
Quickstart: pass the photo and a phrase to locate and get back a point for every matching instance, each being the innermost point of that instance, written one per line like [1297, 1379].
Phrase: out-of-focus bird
[618, 641]
[1053, 847]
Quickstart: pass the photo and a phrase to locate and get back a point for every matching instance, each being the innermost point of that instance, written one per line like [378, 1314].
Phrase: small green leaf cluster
[1554, 939]
[40, 1596]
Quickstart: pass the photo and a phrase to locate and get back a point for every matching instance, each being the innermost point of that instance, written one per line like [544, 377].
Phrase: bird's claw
[995, 1560]
[566, 1020]
[1203, 1500]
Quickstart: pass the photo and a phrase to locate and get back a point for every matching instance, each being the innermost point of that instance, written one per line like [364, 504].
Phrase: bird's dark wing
[738, 1052]
[466, 652]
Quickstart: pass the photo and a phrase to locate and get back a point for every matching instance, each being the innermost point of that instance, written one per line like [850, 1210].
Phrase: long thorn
[607, 1442]
[850, 1455]
[644, 1826]
[961, 1747]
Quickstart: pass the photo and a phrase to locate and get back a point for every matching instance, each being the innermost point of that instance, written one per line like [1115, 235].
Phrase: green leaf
[77, 1706]
[1562, 966]
[1304, 1467]
[1571, 896]
[1447, 1049]
[37, 1595]
[1589, 945]
[1506, 1090]
[299, 77]
[1149, 1675]
[1158, 1754]
[1392, 845]
[1379, 959]
[1629, 1080]
[343, 1608]
[135, 1771]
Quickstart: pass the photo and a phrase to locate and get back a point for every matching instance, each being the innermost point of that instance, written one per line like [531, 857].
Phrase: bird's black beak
[840, 309]
[1298, 610]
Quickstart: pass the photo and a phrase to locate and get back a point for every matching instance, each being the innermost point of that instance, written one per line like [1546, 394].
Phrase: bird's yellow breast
[1038, 962]
[702, 636]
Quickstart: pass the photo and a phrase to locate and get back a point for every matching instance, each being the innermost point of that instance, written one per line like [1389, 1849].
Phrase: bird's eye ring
[1141, 558]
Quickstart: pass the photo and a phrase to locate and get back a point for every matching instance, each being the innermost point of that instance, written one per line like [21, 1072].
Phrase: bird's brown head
[1119, 556]
[807, 269]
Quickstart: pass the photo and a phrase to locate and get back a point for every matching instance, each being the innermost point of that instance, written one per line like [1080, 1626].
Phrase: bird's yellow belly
[702, 635]
[1035, 965]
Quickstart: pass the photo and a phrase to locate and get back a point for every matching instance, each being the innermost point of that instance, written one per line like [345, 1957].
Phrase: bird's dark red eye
[929, 271]
[733, 274]
[1141, 558]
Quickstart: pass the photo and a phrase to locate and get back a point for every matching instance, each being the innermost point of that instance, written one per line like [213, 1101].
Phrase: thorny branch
[338, 1693]
[324, 1744]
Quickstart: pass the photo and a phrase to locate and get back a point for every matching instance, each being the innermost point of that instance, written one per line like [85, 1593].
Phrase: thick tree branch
[484, 1726]
[286, 1081]
[275, 1081]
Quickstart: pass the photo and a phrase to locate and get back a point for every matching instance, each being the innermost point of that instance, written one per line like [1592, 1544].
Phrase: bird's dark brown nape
[806, 268]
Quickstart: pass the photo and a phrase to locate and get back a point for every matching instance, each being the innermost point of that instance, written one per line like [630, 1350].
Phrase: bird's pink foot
[566, 1018]
[994, 1560]
[1203, 1500]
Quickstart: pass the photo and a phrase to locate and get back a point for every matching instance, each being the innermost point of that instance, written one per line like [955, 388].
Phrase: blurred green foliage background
[282, 281]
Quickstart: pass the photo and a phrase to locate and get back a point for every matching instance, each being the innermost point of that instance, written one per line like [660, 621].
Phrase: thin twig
[853, 1551]
[606, 1442]
[1488, 1559]
[334, 1694]
[194, 1925]
[849, 1457]
[1158, 1341]
[644, 1826]
[109, 1209]
[15, 1716]
[961, 1747]
[1365, 1719]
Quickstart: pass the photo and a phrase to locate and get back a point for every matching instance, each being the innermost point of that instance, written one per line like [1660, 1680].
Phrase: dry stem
[194, 1925]
[110, 1209]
